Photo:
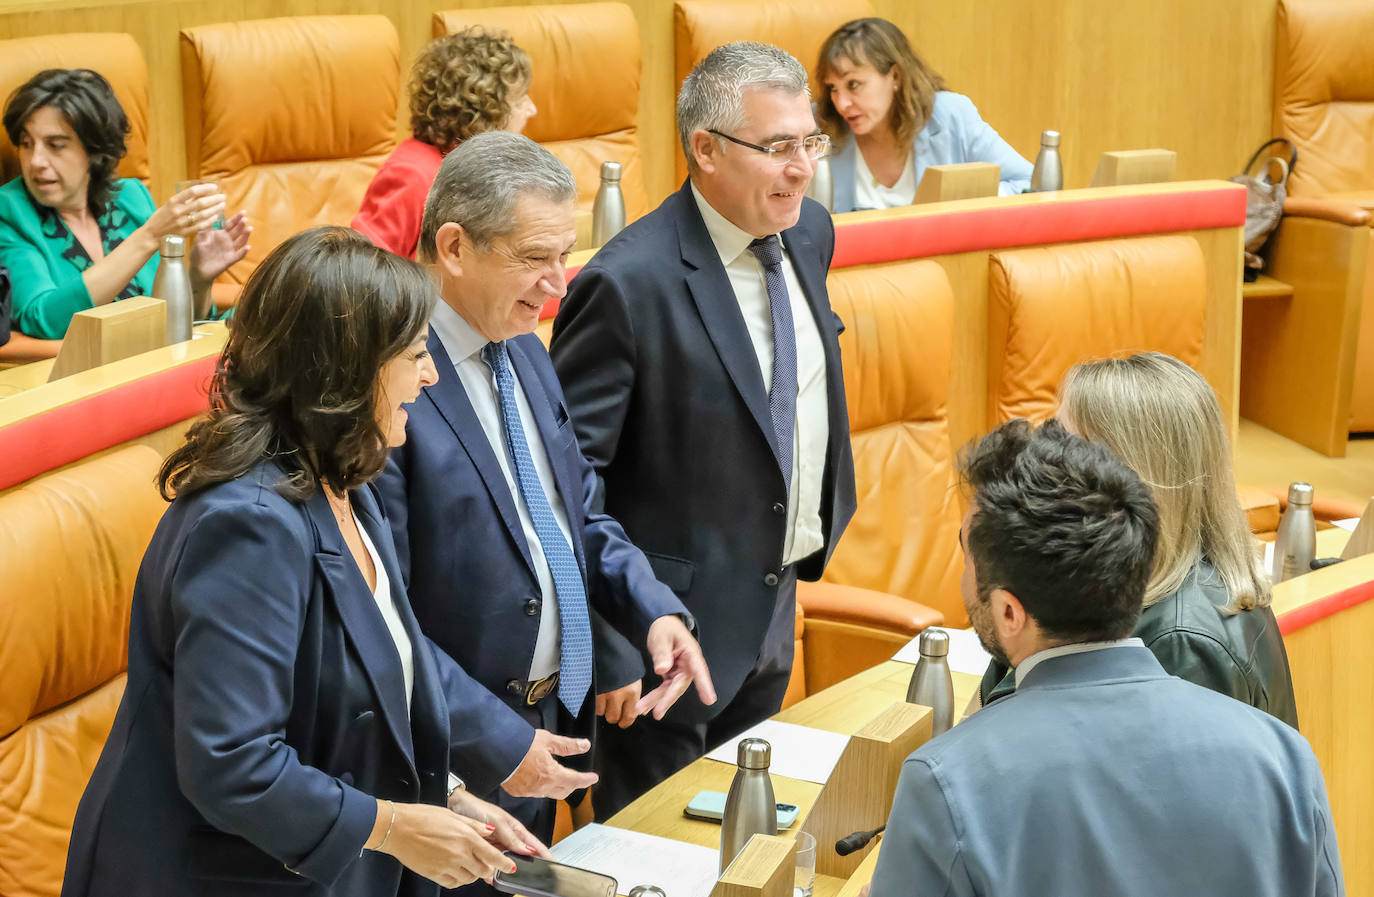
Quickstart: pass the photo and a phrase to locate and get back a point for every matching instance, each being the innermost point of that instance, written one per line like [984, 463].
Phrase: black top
[5, 300]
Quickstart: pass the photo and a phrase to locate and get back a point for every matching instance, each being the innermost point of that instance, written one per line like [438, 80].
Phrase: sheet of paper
[1348, 524]
[966, 654]
[799, 752]
[633, 858]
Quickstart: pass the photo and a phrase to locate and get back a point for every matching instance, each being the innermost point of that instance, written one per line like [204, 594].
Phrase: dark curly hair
[1062, 524]
[463, 84]
[88, 103]
[881, 44]
[297, 382]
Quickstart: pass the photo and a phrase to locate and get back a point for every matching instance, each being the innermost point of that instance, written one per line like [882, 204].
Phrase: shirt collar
[728, 239]
[1024, 668]
[459, 340]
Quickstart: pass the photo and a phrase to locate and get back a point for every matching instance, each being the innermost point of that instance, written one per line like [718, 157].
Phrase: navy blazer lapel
[569, 487]
[716, 303]
[361, 619]
[455, 407]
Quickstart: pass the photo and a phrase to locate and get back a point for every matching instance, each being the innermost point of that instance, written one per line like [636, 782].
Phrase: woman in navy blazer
[285, 725]
[890, 118]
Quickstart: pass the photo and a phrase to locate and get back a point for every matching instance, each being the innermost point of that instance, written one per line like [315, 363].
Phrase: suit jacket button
[515, 687]
[779, 508]
[770, 579]
[532, 607]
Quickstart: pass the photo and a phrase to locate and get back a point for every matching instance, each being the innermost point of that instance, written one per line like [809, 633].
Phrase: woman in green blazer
[73, 234]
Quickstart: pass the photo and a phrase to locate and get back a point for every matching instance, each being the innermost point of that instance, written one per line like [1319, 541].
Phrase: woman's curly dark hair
[88, 103]
[463, 84]
[297, 382]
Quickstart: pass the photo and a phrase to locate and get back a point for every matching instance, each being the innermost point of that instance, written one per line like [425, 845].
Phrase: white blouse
[386, 603]
[869, 194]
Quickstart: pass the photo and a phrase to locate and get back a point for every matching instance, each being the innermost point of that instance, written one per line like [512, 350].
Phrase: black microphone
[857, 841]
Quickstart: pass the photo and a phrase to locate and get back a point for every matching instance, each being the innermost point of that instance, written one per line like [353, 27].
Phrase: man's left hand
[677, 658]
[618, 706]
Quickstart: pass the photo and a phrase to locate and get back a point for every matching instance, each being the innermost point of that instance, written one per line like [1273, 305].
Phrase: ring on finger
[190, 219]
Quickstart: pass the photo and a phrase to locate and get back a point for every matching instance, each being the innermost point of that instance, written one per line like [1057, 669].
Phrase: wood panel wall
[1187, 76]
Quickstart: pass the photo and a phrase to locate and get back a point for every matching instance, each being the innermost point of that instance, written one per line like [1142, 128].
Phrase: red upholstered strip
[1302, 617]
[68, 433]
[1031, 224]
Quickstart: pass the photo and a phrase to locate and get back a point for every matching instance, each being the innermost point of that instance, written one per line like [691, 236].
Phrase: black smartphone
[536, 877]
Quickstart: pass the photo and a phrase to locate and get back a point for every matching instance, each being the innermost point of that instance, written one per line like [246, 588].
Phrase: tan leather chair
[1324, 103]
[70, 546]
[798, 26]
[1049, 309]
[116, 56]
[896, 348]
[291, 117]
[586, 63]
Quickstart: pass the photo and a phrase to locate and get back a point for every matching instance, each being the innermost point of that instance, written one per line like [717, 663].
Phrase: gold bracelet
[387, 836]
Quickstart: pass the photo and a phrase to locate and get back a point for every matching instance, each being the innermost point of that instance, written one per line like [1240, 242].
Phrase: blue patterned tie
[782, 392]
[575, 645]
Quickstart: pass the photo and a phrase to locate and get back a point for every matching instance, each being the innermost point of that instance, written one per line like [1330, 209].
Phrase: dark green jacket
[1240, 655]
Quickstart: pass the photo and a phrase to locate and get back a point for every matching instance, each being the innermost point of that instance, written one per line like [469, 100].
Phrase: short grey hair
[479, 183]
[712, 96]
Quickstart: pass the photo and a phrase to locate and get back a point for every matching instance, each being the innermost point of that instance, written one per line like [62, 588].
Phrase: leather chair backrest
[585, 59]
[896, 349]
[1049, 309]
[70, 547]
[798, 26]
[291, 117]
[1324, 94]
[116, 56]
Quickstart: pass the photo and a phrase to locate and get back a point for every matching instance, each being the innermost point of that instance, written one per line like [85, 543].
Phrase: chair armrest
[1337, 210]
[865, 607]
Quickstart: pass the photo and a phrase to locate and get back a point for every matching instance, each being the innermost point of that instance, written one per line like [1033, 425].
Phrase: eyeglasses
[784, 151]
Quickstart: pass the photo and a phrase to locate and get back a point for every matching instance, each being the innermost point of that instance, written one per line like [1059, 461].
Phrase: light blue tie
[575, 645]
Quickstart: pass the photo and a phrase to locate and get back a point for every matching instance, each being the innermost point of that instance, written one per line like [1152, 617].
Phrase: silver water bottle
[750, 808]
[608, 210]
[1049, 170]
[172, 284]
[822, 186]
[1296, 542]
[931, 683]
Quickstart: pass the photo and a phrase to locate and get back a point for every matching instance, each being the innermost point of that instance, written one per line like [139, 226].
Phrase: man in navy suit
[699, 355]
[1101, 774]
[490, 497]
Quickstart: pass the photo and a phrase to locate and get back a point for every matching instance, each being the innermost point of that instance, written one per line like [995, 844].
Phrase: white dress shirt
[1064, 650]
[464, 347]
[386, 603]
[811, 435]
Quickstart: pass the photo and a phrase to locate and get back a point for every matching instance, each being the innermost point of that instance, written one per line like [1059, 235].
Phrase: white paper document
[966, 654]
[633, 858]
[799, 752]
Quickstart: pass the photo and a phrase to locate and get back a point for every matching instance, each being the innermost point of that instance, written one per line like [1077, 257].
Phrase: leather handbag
[1264, 196]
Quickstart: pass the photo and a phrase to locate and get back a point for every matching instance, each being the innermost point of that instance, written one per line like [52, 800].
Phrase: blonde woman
[1207, 616]
[462, 85]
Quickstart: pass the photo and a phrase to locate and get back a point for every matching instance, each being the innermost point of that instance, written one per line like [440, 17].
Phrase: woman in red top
[462, 84]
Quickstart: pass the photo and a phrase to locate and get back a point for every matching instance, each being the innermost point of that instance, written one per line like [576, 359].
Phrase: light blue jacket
[1103, 776]
[954, 134]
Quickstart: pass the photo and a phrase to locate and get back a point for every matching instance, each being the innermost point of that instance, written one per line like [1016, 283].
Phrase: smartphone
[710, 805]
[537, 877]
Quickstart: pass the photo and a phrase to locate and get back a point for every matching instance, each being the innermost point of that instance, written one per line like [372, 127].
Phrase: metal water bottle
[1296, 542]
[750, 807]
[822, 186]
[1049, 170]
[608, 210]
[931, 683]
[172, 284]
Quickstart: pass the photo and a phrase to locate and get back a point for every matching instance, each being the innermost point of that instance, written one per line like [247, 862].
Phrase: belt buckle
[540, 689]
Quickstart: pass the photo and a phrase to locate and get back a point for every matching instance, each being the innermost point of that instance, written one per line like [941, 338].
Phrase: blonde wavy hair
[1160, 417]
[463, 84]
[881, 44]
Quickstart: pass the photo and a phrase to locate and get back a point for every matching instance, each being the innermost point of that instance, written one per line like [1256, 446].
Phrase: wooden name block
[1362, 539]
[858, 796]
[1146, 166]
[764, 868]
[109, 333]
[966, 180]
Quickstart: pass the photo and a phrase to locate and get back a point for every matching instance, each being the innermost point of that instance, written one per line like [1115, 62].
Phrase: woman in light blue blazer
[890, 118]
